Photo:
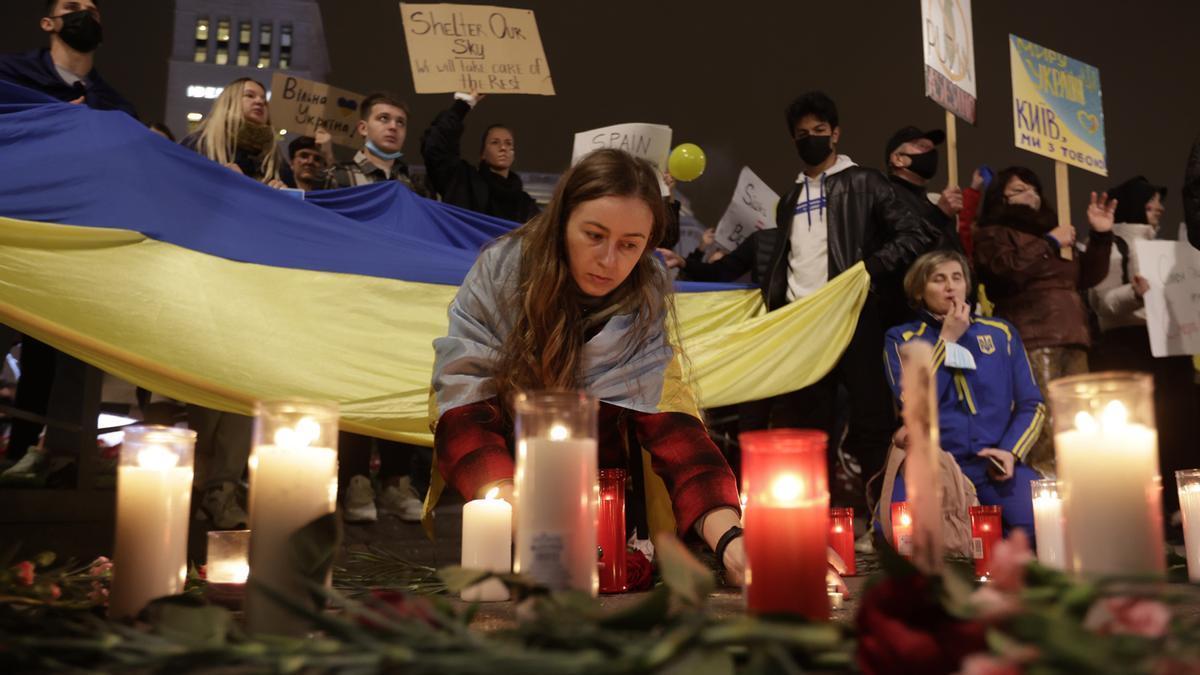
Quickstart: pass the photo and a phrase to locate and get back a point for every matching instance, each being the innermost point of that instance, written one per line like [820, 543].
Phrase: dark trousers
[1128, 348]
[872, 415]
[38, 363]
[395, 460]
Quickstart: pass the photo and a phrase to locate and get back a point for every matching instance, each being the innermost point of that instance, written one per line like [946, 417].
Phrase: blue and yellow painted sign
[1057, 109]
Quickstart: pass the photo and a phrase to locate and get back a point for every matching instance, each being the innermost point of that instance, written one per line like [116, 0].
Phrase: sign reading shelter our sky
[1057, 110]
[475, 48]
[949, 49]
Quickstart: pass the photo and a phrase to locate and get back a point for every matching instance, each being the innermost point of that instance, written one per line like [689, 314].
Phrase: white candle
[1108, 474]
[228, 551]
[154, 496]
[1048, 524]
[487, 545]
[295, 482]
[557, 491]
[1189, 505]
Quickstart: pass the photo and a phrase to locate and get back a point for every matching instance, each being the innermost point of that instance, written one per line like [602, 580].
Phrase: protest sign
[303, 106]
[949, 46]
[751, 209]
[1173, 301]
[1057, 111]
[648, 141]
[475, 48]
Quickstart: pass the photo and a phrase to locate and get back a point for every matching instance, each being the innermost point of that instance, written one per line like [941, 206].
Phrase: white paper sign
[1173, 302]
[751, 209]
[648, 141]
[949, 47]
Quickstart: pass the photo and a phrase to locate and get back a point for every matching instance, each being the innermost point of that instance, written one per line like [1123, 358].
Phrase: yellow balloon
[687, 162]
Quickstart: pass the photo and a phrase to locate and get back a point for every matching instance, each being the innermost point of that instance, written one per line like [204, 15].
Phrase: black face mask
[814, 149]
[81, 31]
[925, 164]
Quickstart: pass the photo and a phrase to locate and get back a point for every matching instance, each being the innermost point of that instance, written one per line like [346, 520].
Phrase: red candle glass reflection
[902, 528]
[611, 534]
[985, 532]
[841, 536]
[786, 522]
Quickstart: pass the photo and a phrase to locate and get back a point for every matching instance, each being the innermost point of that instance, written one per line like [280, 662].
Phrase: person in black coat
[492, 187]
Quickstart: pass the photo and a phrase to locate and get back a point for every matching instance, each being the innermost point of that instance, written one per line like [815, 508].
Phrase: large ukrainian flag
[163, 268]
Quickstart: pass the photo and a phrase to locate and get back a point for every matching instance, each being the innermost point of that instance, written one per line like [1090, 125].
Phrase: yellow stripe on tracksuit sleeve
[964, 391]
[1025, 442]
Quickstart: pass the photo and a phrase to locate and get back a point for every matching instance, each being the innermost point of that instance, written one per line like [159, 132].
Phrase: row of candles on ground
[1104, 435]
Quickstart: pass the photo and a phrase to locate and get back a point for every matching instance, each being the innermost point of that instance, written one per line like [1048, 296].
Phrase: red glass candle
[841, 536]
[985, 532]
[611, 535]
[786, 522]
[902, 528]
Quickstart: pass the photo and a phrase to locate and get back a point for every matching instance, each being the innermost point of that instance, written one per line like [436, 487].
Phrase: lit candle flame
[492, 494]
[559, 432]
[905, 519]
[1115, 415]
[157, 457]
[1085, 422]
[306, 432]
[787, 488]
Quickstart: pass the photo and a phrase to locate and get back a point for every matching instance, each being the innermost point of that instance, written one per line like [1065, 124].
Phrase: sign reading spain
[1057, 109]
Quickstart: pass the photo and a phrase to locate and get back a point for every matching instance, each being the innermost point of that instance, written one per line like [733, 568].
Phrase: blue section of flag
[69, 164]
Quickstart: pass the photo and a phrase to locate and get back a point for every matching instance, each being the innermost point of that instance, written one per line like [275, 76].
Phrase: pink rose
[986, 664]
[639, 572]
[55, 592]
[1128, 616]
[100, 567]
[99, 594]
[24, 570]
[1010, 557]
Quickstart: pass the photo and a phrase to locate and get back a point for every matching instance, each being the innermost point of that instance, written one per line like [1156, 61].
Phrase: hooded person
[1123, 341]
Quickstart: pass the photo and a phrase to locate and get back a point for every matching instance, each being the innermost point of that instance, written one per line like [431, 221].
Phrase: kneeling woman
[575, 300]
[989, 404]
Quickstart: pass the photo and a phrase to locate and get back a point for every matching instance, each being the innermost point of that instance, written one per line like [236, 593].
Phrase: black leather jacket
[866, 221]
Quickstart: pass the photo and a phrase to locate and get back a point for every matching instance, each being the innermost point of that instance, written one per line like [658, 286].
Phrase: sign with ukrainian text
[302, 106]
[949, 46]
[1057, 111]
[475, 48]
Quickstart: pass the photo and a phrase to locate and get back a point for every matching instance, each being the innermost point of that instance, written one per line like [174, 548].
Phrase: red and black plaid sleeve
[697, 476]
[472, 447]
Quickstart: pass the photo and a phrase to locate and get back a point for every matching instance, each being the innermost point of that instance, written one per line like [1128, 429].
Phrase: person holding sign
[1033, 287]
[383, 124]
[575, 299]
[912, 161]
[1124, 341]
[492, 187]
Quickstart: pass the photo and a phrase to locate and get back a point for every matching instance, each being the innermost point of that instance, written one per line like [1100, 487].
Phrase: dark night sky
[720, 74]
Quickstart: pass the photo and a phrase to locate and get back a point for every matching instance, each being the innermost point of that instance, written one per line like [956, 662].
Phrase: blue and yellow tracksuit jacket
[995, 405]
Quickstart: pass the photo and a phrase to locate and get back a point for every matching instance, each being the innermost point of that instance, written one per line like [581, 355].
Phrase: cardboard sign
[1057, 111]
[303, 106]
[488, 50]
[649, 141]
[751, 209]
[949, 46]
[1173, 302]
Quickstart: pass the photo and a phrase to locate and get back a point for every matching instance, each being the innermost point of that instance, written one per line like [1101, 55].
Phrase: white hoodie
[1115, 303]
[808, 260]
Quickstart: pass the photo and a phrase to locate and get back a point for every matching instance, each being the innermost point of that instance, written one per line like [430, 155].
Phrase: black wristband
[723, 543]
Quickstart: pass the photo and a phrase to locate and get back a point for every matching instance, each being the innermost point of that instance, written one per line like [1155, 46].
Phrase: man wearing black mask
[912, 161]
[66, 70]
[836, 215]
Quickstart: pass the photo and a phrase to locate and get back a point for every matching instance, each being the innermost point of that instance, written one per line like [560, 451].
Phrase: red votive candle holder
[841, 536]
[985, 532]
[611, 534]
[902, 529]
[786, 522]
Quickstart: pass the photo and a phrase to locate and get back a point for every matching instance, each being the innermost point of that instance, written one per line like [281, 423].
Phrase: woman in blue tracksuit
[989, 404]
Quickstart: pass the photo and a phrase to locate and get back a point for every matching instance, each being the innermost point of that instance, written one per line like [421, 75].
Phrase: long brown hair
[544, 349]
[217, 135]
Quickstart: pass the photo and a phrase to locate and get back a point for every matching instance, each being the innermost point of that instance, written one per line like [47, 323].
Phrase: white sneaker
[221, 506]
[29, 465]
[359, 504]
[402, 500]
